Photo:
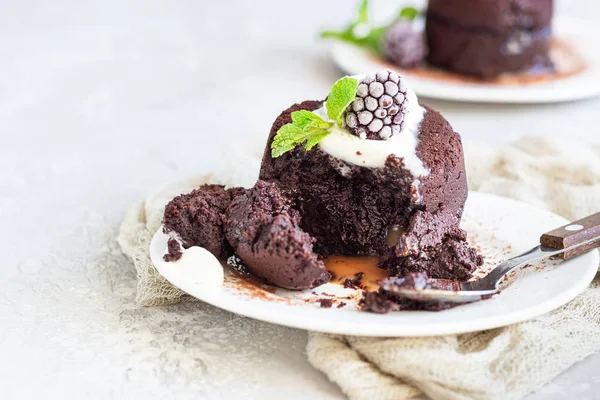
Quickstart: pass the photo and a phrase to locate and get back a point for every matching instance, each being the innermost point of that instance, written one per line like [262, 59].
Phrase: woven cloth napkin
[505, 363]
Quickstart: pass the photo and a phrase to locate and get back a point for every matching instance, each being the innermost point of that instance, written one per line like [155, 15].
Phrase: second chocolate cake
[486, 38]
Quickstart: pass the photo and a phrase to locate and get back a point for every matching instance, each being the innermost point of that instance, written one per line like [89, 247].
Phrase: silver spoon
[568, 241]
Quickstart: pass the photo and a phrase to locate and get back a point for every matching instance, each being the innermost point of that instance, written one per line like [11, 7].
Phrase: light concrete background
[102, 102]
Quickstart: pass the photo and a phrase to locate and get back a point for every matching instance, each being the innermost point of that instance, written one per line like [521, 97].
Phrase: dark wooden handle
[573, 234]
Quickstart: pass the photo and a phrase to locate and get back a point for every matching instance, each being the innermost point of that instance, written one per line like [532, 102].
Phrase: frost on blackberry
[378, 111]
[403, 45]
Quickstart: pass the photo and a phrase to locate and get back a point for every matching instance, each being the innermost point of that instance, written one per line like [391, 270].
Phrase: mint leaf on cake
[342, 94]
[306, 127]
[287, 138]
[304, 119]
[315, 139]
[309, 127]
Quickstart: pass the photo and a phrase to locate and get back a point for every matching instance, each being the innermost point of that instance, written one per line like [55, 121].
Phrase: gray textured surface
[101, 102]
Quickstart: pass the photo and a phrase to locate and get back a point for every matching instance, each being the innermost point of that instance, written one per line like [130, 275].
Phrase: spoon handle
[573, 234]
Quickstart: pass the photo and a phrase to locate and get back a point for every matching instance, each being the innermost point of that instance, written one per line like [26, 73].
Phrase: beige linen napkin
[505, 363]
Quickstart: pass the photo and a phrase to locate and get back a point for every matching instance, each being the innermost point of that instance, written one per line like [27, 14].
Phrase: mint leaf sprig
[359, 32]
[342, 94]
[309, 128]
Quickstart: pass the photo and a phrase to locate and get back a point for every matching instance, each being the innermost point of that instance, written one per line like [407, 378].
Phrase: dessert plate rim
[535, 294]
[354, 60]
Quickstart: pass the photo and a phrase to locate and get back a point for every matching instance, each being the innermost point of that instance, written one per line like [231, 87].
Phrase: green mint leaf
[287, 138]
[343, 35]
[342, 94]
[409, 13]
[315, 138]
[349, 34]
[374, 38]
[363, 11]
[304, 119]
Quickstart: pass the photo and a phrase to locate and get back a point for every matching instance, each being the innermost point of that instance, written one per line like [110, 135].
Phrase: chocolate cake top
[363, 120]
[494, 15]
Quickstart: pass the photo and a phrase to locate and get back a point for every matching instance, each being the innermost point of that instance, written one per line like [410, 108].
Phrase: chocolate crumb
[342, 304]
[386, 299]
[354, 282]
[358, 153]
[174, 251]
[325, 303]
[237, 264]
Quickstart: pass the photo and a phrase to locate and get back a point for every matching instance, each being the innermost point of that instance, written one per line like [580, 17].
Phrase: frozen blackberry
[378, 111]
[403, 45]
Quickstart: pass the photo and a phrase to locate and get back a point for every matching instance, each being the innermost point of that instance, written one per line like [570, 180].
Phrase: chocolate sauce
[351, 268]
[393, 235]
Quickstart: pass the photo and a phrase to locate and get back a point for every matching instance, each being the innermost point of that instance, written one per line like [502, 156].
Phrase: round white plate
[581, 34]
[500, 227]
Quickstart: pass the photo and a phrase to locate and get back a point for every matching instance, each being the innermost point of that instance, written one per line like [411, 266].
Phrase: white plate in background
[580, 34]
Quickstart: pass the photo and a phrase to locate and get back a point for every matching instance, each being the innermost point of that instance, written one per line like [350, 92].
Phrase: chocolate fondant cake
[368, 171]
[486, 38]
[350, 209]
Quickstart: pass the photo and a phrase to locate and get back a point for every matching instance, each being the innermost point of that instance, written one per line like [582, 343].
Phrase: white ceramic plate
[581, 34]
[500, 227]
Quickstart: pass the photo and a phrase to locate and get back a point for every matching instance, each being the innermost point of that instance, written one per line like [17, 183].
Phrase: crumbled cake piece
[198, 218]
[325, 303]
[386, 299]
[433, 243]
[174, 252]
[354, 282]
[264, 230]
